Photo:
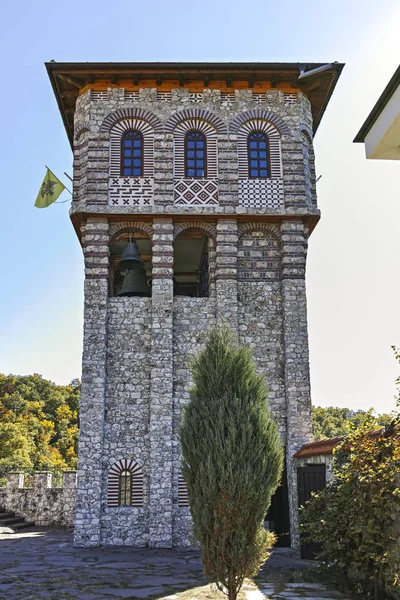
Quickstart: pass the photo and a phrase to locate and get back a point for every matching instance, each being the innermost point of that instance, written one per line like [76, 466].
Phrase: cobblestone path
[42, 564]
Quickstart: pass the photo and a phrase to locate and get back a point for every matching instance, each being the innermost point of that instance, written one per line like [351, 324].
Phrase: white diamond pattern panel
[274, 143]
[261, 193]
[148, 145]
[195, 192]
[183, 498]
[179, 146]
[125, 464]
[130, 191]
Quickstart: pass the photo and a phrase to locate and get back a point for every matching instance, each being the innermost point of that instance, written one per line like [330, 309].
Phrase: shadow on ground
[42, 564]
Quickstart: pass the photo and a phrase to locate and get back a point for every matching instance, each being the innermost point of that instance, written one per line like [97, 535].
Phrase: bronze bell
[135, 283]
[130, 257]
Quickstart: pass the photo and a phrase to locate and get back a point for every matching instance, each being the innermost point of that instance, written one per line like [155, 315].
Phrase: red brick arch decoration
[127, 227]
[257, 114]
[198, 114]
[130, 113]
[205, 228]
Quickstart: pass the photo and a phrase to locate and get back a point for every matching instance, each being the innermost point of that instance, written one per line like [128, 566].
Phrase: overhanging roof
[379, 106]
[68, 79]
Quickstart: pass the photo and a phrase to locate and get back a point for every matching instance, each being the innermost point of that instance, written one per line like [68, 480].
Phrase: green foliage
[232, 461]
[334, 421]
[357, 518]
[38, 424]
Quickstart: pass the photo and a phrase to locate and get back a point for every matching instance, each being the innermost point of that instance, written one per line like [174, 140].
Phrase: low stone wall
[42, 504]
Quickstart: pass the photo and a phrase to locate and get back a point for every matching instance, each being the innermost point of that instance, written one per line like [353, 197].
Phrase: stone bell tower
[208, 171]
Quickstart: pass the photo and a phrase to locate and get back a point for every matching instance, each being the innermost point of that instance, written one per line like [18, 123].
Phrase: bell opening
[130, 265]
[191, 265]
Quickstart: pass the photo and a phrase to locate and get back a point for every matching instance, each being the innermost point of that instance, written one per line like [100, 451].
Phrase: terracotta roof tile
[327, 445]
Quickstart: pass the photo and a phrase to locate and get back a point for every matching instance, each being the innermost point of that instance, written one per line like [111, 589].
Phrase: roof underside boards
[379, 106]
[69, 79]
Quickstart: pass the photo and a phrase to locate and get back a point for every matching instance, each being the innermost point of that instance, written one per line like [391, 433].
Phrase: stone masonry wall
[127, 413]
[192, 318]
[96, 114]
[134, 380]
[261, 328]
[41, 504]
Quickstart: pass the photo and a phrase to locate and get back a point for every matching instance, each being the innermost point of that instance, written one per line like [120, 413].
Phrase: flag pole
[64, 186]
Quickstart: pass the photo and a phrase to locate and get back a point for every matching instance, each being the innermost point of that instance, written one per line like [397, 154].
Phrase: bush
[357, 518]
[232, 461]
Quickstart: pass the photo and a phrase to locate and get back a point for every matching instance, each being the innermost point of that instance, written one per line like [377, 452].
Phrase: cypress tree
[232, 461]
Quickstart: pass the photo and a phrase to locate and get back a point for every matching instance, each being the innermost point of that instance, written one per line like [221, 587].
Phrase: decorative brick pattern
[161, 414]
[227, 99]
[81, 128]
[290, 99]
[130, 113]
[259, 98]
[148, 145]
[131, 96]
[208, 229]
[202, 114]
[273, 143]
[126, 227]
[309, 165]
[259, 255]
[196, 97]
[164, 96]
[179, 146]
[183, 498]
[260, 114]
[98, 96]
[261, 193]
[192, 192]
[125, 464]
[131, 191]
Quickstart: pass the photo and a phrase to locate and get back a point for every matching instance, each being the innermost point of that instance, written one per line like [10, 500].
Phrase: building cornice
[70, 79]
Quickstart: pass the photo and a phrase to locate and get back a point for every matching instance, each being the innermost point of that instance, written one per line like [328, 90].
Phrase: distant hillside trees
[38, 424]
[334, 421]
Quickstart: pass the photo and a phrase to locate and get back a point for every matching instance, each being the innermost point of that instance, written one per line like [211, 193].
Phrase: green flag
[49, 191]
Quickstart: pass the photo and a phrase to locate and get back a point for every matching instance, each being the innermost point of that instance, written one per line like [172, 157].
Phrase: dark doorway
[278, 514]
[310, 478]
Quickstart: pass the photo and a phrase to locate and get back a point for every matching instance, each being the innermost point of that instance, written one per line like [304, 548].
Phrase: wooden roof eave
[68, 78]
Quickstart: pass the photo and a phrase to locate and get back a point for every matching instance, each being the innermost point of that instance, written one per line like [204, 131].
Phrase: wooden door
[310, 478]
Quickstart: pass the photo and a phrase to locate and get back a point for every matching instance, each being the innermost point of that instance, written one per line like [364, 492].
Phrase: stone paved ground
[42, 564]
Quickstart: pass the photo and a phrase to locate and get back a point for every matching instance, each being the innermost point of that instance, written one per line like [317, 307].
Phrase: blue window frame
[132, 154]
[258, 155]
[195, 154]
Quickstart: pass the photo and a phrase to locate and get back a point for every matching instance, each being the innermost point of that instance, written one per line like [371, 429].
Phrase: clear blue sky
[353, 272]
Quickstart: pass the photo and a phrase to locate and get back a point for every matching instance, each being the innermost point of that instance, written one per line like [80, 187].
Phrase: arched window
[195, 154]
[125, 488]
[258, 155]
[132, 154]
[125, 484]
